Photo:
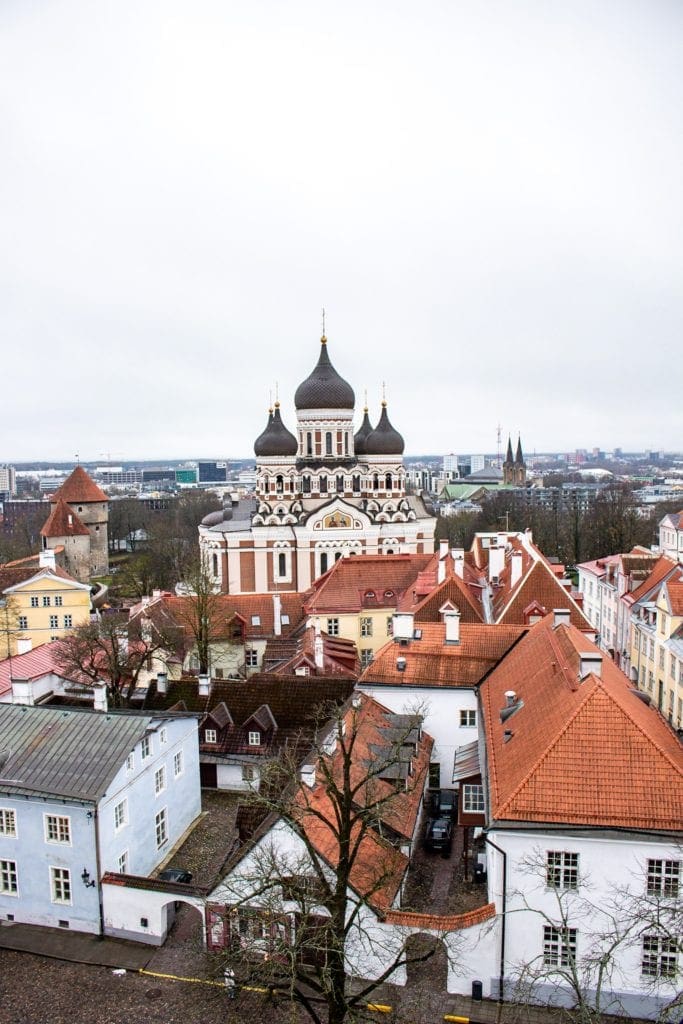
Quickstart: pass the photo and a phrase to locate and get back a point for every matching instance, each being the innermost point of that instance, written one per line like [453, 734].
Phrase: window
[178, 764]
[122, 863]
[58, 600]
[34, 602]
[365, 656]
[121, 814]
[256, 620]
[214, 564]
[660, 956]
[60, 885]
[663, 877]
[248, 773]
[434, 775]
[130, 762]
[306, 484]
[161, 827]
[328, 443]
[333, 627]
[282, 564]
[562, 869]
[210, 736]
[390, 625]
[251, 658]
[162, 735]
[159, 780]
[145, 747]
[254, 739]
[472, 798]
[68, 621]
[672, 667]
[23, 622]
[46, 601]
[559, 946]
[323, 485]
[355, 483]
[8, 821]
[8, 877]
[366, 626]
[468, 718]
[340, 484]
[54, 622]
[284, 619]
[57, 829]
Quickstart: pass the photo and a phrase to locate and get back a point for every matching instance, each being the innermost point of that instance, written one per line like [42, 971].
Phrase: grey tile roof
[67, 753]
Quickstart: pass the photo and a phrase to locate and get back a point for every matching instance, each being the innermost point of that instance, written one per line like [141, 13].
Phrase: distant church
[321, 494]
[514, 470]
[78, 523]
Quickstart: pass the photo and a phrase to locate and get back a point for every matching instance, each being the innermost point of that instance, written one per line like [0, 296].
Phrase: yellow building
[42, 603]
[657, 648]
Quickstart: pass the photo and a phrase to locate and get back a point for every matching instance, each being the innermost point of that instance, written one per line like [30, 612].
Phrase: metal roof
[65, 753]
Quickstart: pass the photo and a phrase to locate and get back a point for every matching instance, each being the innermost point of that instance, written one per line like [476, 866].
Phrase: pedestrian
[229, 981]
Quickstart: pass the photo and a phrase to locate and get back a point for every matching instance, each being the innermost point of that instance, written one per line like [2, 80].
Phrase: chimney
[277, 615]
[204, 686]
[496, 560]
[162, 683]
[561, 617]
[24, 644]
[99, 697]
[515, 568]
[451, 618]
[319, 651]
[308, 775]
[510, 698]
[590, 661]
[443, 547]
[401, 663]
[458, 555]
[46, 559]
[566, 583]
[441, 570]
[404, 625]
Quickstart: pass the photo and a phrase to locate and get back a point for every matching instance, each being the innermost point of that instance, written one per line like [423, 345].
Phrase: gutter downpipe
[504, 907]
[100, 894]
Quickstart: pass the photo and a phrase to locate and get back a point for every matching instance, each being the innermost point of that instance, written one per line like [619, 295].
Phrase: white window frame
[160, 780]
[366, 625]
[559, 945]
[659, 956]
[178, 766]
[60, 886]
[468, 718]
[254, 738]
[211, 736]
[35, 603]
[472, 798]
[146, 747]
[8, 822]
[9, 878]
[251, 657]
[562, 869]
[58, 601]
[23, 622]
[122, 863]
[68, 621]
[54, 622]
[366, 656]
[121, 814]
[663, 877]
[161, 827]
[130, 762]
[60, 827]
[333, 626]
[163, 734]
[248, 773]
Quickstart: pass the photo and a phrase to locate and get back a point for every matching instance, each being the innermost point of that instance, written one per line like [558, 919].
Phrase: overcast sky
[485, 197]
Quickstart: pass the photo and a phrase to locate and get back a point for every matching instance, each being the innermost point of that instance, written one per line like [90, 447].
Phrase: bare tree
[305, 898]
[200, 613]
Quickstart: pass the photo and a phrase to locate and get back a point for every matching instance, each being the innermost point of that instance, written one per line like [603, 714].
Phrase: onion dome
[324, 388]
[276, 439]
[360, 439]
[384, 440]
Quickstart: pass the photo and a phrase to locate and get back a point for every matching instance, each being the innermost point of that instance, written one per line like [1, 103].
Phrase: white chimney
[451, 618]
[277, 615]
[510, 698]
[458, 555]
[496, 560]
[308, 775]
[515, 568]
[443, 547]
[404, 626]
[590, 661]
[162, 683]
[46, 559]
[319, 651]
[401, 663]
[561, 617]
[100, 697]
[24, 644]
[441, 570]
[204, 686]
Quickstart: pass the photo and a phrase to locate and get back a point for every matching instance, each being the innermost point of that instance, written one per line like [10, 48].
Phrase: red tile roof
[169, 611]
[41, 661]
[12, 575]
[430, 661]
[79, 487]
[452, 589]
[63, 522]
[675, 591]
[542, 586]
[365, 581]
[581, 752]
[664, 568]
[340, 656]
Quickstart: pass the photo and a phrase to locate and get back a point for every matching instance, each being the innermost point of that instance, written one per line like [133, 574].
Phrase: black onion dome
[384, 440]
[275, 439]
[360, 439]
[324, 388]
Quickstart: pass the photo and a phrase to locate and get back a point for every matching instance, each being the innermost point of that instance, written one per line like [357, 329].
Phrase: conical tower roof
[519, 458]
[63, 522]
[275, 440]
[79, 488]
[384, 439]
[324, 388]
[508, 454]
[360, 439]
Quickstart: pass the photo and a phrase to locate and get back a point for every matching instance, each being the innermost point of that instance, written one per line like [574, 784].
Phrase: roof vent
[507, 735]
[510, 698]
[401, 664]
[590, 662]
[561, 617]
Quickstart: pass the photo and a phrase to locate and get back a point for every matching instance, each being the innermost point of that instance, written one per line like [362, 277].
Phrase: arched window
[387, 482]
[281, 564]
[337, 556]
[328, 443]
[340, 484]
[279, 482]
[323, 562]
[309, 443]
[356, 484]
[375, 482]
[306, 484]
[346, 443]
[323, 485]
[215, 564]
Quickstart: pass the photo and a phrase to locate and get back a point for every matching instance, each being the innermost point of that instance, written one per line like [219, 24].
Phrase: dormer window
[254, 739]
[256, 620]
[210, 736]
[370, 594]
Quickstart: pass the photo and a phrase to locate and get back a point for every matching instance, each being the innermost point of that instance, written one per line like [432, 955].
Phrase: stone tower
[90, 505]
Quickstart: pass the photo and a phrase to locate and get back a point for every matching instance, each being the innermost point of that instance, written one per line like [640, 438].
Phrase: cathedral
[322, 493]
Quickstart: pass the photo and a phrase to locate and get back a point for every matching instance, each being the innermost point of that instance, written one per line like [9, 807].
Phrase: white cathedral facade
[321, 494]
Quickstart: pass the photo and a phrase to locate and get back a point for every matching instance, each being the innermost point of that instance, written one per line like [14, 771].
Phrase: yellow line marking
[458, 1020]
[379, 1007]
[175, 977]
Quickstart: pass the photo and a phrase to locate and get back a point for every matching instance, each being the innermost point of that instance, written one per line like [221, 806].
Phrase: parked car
[439, 836]
[175, 875]
[445, 804]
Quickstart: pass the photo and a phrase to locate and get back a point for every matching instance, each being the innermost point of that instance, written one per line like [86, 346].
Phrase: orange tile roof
[675, 591]
[663, 568]
[432, 662]
[350, 582]
[583, 753]
[441, 922]
[79, 487]
[340, 656]
[172, 611]
[63, 522]
[542, 586]
[452, 589]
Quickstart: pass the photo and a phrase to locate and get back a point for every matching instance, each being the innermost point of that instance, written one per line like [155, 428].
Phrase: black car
[175, 875]
[444, 803]
[439, 836]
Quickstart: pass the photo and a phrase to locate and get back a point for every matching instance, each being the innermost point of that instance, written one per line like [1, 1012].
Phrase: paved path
[75, 946]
